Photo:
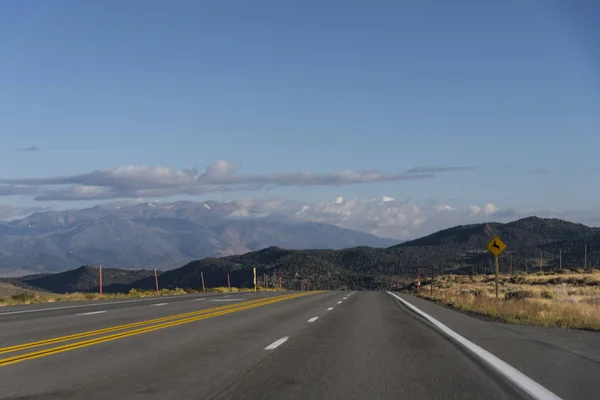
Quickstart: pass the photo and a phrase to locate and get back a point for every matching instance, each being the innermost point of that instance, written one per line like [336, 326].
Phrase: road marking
[200, 299]
[277, 343]
[82, 335]
[339, 302]
[527, 384]
[103, 339]
[227, 299]
[330, 308]
[92, 313]
[313, 319]
[159, 304]
[77, 306]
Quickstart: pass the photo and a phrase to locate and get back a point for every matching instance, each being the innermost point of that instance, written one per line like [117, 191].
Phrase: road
[286, 345]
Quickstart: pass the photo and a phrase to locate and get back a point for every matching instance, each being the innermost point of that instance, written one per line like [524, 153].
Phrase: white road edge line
[313, 319]
[277, 343]
[77, 306]
[330, 308]
[159, 304]
[521, 380]
[92, 313]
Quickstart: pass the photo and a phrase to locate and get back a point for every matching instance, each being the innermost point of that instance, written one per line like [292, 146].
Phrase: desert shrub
[519, 295]
[547, 295]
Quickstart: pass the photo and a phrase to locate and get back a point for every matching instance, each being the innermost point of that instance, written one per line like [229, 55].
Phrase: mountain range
[461, 249]
[157, 235]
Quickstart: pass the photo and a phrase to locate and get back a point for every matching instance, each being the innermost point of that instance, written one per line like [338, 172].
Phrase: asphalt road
[292, 345]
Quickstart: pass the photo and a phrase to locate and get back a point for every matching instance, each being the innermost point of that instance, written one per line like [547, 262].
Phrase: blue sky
[280, 87]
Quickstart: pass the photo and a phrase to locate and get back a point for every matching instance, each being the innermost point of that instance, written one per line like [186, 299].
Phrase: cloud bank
[135, 181]
[387, 217]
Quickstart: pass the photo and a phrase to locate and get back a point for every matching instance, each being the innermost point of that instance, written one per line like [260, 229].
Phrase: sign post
[254, 279]
[496, 246]
[228, 282]
[202, 276]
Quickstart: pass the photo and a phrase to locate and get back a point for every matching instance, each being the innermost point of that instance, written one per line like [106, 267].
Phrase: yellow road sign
[496, 246]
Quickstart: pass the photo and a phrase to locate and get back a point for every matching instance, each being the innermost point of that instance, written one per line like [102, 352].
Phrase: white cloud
[135, 181]
[392, 218]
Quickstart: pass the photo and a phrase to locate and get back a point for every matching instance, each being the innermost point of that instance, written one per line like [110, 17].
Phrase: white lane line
[200, 299]
[527, 384]
[339, 302]
[277, 343]
[159, 304]
[313, 319]
[77, 306]
[92, 313]
[330, 308]
[227, 300]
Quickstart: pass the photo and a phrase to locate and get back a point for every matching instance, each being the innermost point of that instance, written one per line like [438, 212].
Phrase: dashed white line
[92, 313]
[159, 304]
[200, 299]
[330, 308]
[277, 343]
[227, 299]
[313, 319]
[528, 385]
[339, 302]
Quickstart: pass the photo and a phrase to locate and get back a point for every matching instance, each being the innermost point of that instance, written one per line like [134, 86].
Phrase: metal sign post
[496, 246]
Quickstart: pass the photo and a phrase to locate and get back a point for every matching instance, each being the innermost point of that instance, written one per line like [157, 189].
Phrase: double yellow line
[141, 327]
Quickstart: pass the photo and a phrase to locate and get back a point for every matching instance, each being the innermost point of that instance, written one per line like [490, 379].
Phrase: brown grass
[556, 300]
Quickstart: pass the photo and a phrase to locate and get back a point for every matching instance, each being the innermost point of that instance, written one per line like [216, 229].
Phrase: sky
[462, 110]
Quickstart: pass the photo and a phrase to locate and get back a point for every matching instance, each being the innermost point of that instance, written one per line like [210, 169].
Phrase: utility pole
[202, 277]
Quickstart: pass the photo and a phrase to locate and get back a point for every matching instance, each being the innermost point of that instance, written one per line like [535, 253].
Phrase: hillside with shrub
[459, 250]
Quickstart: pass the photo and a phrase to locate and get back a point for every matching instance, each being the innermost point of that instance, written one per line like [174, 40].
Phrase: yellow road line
[26, 346]
[103, 339]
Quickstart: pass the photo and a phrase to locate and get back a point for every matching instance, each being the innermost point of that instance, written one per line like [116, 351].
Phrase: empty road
[286, 345]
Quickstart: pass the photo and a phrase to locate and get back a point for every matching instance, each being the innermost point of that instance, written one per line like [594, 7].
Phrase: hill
[156, 235]
[458, 250]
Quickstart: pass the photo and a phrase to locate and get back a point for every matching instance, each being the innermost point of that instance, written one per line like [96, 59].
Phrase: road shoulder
[546, 355]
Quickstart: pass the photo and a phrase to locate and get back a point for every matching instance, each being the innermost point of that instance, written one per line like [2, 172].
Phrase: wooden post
[541, 262]
[156, 280]
[585, 257]
[266, 283]
[228, 282]
[431, 289]
[100, 279]
[560, 259]
[202, 276]
[497, 272]
[280, 282]
[419, 281]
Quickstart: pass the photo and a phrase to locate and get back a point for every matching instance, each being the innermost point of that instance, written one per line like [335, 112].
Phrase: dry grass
[30, 297]
[566, 300]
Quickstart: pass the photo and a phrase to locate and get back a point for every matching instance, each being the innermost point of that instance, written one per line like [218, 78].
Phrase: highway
[285, 345]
